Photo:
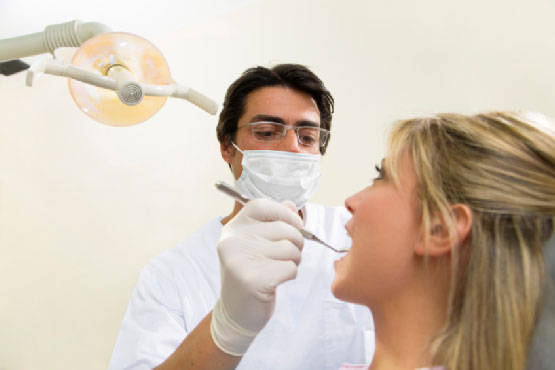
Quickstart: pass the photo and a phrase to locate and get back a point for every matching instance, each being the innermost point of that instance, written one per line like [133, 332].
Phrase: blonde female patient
[447, 241]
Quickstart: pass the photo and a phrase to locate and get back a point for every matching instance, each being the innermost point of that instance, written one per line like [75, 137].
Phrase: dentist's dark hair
[294, 76]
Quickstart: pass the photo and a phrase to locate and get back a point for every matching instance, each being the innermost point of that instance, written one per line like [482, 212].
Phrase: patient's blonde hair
[502, 165]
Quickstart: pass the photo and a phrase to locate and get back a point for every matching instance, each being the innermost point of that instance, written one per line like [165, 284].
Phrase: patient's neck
[406, 323]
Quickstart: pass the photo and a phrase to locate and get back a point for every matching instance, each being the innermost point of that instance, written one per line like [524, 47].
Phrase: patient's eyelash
[380, 172]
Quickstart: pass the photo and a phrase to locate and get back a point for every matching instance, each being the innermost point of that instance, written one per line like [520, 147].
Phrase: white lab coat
[310, 328]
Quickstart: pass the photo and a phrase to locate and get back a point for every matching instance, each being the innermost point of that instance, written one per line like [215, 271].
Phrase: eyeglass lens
[273, 131]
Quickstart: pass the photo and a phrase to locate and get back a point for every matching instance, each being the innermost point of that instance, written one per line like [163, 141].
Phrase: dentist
[246, 291]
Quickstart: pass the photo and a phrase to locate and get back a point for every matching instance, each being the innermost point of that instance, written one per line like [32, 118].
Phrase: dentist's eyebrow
[267, 118]
[307, 123]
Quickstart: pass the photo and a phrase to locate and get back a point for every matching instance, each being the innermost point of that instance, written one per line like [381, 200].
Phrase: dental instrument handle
[233, 193]
[230, 190]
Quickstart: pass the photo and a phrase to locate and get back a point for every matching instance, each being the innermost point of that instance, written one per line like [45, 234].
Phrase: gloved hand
[259, 249]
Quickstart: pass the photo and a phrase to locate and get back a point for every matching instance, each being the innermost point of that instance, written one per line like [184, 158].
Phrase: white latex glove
[259, 249]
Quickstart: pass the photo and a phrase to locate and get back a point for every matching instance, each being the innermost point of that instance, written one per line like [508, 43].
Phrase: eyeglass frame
[288, 128]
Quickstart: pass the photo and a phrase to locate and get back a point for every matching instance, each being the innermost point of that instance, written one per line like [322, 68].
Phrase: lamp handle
[60, 68]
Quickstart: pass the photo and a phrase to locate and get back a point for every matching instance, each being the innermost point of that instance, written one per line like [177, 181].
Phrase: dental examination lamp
[116, 78]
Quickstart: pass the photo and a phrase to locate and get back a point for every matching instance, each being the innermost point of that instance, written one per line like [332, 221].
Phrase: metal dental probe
[230, 191]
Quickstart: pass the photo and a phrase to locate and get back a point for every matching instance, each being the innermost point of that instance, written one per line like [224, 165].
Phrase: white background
[84, 206]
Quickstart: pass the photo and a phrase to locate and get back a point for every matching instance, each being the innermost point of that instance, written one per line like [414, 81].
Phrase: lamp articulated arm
[112, 61]
[69, 34]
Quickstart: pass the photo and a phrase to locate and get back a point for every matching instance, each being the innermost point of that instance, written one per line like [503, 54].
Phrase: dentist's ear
[226, 149]
[438, 236]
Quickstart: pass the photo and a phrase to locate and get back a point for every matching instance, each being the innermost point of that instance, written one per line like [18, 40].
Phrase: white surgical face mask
[279, 175]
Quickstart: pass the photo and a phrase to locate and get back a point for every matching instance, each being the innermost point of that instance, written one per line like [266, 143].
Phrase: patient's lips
[347, 228]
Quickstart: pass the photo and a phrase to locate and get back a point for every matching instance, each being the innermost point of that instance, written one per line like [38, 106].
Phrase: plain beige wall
[84, 206]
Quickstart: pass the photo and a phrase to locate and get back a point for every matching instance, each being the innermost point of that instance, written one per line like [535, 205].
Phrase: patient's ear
[439, 242]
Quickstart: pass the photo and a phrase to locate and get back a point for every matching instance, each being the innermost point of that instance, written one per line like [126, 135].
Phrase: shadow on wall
[542, 356]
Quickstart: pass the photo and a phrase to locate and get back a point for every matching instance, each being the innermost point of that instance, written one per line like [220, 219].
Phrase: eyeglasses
[273, 131]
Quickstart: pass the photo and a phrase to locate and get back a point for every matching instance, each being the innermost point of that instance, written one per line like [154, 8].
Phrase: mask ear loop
[236, 147]
[240, 151]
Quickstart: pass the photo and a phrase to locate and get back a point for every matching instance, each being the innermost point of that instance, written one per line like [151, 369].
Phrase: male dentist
[246, 291]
